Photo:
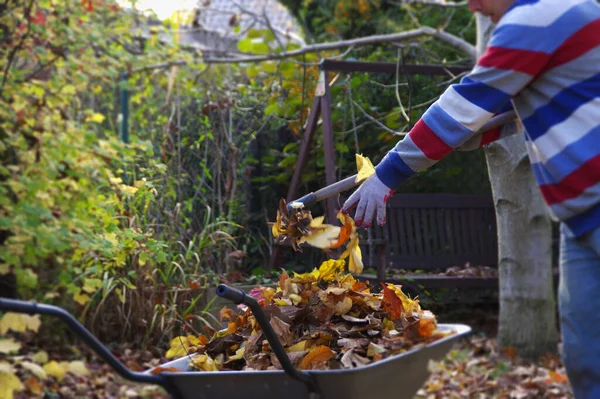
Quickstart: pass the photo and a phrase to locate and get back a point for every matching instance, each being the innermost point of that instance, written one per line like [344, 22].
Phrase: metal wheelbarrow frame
[399, 376]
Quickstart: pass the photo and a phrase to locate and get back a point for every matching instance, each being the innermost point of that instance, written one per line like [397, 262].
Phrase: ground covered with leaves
[475, 368]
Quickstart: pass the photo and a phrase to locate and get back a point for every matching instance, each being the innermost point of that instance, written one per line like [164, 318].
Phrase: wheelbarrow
[398, 376]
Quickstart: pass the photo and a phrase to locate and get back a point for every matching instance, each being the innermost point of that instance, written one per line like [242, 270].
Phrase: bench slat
[434, 231]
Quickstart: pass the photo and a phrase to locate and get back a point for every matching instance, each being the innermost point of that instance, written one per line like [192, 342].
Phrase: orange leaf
[557, 377]
[203, 339]
[345, 231]
[391, 303]
[510, 352]
[427, 327]
[33, 385]
[284, 276]
[316, 357]
[226, 313]
[159, 369]
[359, 286]
[231, 327]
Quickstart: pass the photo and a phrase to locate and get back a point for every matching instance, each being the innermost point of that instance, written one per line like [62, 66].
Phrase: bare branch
[457, 42]
[438, 3]
[315, 48]
[384, 127]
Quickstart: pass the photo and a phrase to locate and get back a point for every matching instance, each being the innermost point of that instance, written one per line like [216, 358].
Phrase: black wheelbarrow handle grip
[18, 306]
[238, 296]
[350, 182]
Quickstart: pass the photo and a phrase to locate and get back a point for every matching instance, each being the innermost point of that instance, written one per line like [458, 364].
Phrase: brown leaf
[222, 344]
[316, 358]
[282, 329]
[352, 343]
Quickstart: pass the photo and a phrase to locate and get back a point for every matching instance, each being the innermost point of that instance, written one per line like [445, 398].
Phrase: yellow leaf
[90, 285]
[96, 117]
[317, 222]
[364, 166]
[307, 277]
[204, 362]
[322, 237]
[56, 369]
[81, 299]
[112, 238]
[34, 369]
[353, 252]
[178, 347]
[8, 381]
[40, 357]
[129, 190]
[19, 323]
[239, 354]
[330, 269]
[78, 368]
[9, 345]
[296, 299]
[299, 347]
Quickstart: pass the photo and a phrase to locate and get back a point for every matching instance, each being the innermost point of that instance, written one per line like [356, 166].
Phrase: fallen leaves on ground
[30, 374]
[325, 319]
[478, 369]
[475, 368]
[466, 270]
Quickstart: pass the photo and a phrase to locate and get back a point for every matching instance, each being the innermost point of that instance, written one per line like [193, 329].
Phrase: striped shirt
[543, 59]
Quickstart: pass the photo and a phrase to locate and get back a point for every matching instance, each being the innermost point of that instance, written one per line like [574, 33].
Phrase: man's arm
[511, 62]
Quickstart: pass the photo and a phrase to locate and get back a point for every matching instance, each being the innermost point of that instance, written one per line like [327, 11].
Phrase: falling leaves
[299, 227]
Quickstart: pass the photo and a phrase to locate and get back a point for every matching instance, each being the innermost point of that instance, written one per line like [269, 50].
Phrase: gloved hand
[371, 197]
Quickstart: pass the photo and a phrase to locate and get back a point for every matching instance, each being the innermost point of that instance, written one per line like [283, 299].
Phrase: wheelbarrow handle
[350, 182]
[19, 306]
[238, 296]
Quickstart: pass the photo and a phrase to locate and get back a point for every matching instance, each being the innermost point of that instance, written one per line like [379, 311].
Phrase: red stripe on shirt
[574, 184]
[582, 41]
[428, 142]
[490, 136]
[529, 62]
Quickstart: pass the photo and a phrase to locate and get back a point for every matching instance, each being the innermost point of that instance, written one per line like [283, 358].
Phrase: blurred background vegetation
[131, 235]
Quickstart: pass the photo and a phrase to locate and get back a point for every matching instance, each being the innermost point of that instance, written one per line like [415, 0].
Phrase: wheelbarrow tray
[397, 377]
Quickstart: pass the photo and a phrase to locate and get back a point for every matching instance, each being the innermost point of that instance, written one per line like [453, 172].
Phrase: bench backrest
[435, 231]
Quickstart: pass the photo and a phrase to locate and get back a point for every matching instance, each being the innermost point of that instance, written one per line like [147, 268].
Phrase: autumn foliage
[325, 319]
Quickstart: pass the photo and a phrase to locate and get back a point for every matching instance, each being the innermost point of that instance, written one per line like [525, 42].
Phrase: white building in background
[215, 26]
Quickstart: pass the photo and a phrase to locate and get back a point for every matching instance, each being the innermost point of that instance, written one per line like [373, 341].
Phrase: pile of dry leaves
[325, 319]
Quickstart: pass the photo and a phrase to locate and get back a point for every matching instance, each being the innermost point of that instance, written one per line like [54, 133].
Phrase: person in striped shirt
[543, 59]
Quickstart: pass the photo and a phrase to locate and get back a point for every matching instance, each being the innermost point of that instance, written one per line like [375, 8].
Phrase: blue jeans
[579, 305]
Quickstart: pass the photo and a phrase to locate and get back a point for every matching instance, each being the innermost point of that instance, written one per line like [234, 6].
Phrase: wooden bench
[425, 232]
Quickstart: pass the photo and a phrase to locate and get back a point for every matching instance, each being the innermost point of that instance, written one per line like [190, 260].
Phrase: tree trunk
[527, 308]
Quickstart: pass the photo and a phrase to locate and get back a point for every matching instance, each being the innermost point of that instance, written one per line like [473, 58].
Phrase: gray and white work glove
[371, 197]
